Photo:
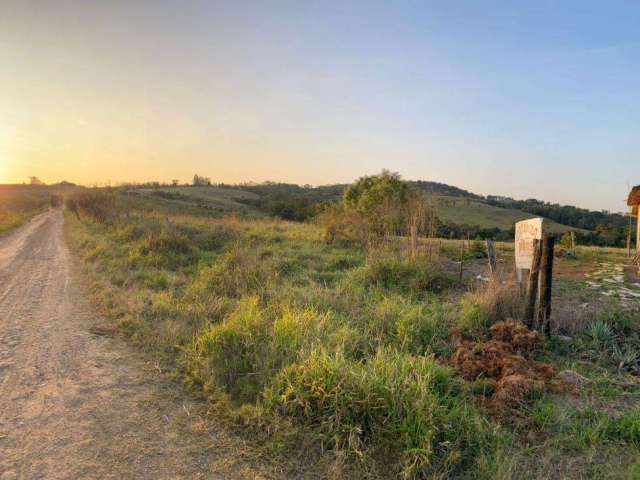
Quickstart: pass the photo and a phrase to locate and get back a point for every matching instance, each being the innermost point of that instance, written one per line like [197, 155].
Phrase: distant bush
[477, 249]
[377, 207]
[97, 204]
[56, 200]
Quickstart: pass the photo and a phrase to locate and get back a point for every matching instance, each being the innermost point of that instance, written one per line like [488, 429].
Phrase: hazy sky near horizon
[527, 99]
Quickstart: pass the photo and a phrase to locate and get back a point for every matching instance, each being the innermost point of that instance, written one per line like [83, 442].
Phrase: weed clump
[164, 247]
[406, 406]
[473, 319]
[406, 275]
[496, 302]
[240, 271]
[235, 353]
[244, 352]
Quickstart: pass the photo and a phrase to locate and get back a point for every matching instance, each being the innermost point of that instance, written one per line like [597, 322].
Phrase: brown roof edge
[634, 196]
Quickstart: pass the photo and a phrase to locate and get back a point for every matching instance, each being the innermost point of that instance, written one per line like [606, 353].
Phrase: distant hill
[472, 211]
[436, 188]
[461, 212]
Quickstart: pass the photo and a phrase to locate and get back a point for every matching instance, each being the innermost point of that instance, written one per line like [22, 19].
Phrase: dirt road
[75, 405]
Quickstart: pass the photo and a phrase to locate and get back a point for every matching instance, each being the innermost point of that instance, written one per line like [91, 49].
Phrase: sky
[526, 99]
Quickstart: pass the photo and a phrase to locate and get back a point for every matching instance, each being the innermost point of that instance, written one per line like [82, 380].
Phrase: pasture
[343, 360]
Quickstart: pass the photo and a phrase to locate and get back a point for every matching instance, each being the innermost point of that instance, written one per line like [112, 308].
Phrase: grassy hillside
[460, 210]
[468, 211]
[222, 199]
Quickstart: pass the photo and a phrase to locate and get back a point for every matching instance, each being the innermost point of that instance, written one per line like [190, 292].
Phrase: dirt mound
[517, 335]
[502, 363]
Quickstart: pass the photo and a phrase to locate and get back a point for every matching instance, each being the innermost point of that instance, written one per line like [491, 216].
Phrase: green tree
[381, 200]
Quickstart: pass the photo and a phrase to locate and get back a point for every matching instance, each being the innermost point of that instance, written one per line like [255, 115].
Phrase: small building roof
[633, 200]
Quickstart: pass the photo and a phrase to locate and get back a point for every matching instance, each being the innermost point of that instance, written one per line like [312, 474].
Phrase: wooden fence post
[546, 278]
[491, 254]
[532, 287]
[461, 260]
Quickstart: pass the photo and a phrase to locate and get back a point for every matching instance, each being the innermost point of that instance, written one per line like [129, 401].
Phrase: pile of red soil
[503, 364]
[517, 335]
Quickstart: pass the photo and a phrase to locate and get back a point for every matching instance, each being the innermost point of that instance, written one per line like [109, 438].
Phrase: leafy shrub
[624, 321]
[477, 249]
[396, 404]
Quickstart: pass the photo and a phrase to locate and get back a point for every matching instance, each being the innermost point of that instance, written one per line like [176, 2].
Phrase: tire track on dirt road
[73, 405]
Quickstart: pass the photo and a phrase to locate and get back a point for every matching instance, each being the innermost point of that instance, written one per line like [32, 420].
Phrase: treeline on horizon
[302, 202]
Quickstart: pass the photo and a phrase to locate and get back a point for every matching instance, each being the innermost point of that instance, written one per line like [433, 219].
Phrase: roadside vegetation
[19, 203]
[352, 346]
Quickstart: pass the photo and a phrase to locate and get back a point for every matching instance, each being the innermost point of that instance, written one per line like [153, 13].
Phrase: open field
[353, 362]
[19, 203]
[472, 212]
[455, 210]
[223, 200]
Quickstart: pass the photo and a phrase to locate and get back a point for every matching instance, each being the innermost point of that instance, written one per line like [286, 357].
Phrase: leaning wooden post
[532, 287]
[546, 262]
[461, 260]
[491, 254]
